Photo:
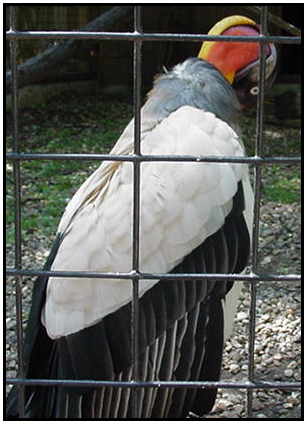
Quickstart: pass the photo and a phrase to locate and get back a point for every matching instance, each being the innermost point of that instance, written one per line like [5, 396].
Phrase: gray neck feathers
[194, 83]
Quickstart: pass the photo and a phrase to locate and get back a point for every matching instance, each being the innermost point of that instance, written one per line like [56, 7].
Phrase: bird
[195, 217]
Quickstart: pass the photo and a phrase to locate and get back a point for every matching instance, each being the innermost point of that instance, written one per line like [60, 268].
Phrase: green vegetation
[280, 183]
[48, 185]
[284, 186]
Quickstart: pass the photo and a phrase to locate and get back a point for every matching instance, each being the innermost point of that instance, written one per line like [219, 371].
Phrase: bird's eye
[254, 91]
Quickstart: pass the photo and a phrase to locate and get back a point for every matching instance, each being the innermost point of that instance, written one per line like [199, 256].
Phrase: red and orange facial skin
[239, 61]
[230, 57]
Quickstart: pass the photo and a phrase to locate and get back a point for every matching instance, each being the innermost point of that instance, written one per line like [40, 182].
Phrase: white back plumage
[182, 204]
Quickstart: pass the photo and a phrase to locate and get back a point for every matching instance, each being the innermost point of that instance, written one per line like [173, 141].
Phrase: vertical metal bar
[257, 185]
[17, 209]
[137, 62]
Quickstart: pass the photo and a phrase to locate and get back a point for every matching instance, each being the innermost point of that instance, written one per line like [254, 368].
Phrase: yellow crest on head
[220, 27]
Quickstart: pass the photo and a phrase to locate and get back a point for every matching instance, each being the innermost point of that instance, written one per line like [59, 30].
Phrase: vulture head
[239, 61]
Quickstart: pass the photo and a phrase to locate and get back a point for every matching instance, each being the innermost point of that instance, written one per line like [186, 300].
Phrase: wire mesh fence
[138, 37]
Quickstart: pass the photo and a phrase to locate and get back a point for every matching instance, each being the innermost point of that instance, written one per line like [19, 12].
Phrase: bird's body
[181, 204]
[194, 218]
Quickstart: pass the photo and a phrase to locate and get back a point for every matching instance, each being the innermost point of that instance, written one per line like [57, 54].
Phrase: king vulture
[195, 217]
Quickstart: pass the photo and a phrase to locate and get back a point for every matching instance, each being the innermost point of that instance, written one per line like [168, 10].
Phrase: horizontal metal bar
[132, 36]
[256, 160]
[154, 276]
[160, 384]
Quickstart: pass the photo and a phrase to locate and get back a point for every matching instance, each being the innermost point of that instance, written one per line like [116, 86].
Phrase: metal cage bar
[138, 37]
[81, 35]
[17, 209]
[255, 160]
[178, 384]
[256, 215]
[137, 85]
[154, 276]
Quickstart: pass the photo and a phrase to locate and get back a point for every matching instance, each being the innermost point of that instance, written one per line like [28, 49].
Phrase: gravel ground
[277, 346]
[278, 324]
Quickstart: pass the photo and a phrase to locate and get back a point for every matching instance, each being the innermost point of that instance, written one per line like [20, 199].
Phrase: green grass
[283, 185]
[280, 183]
[87, 125]
[48, 185]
